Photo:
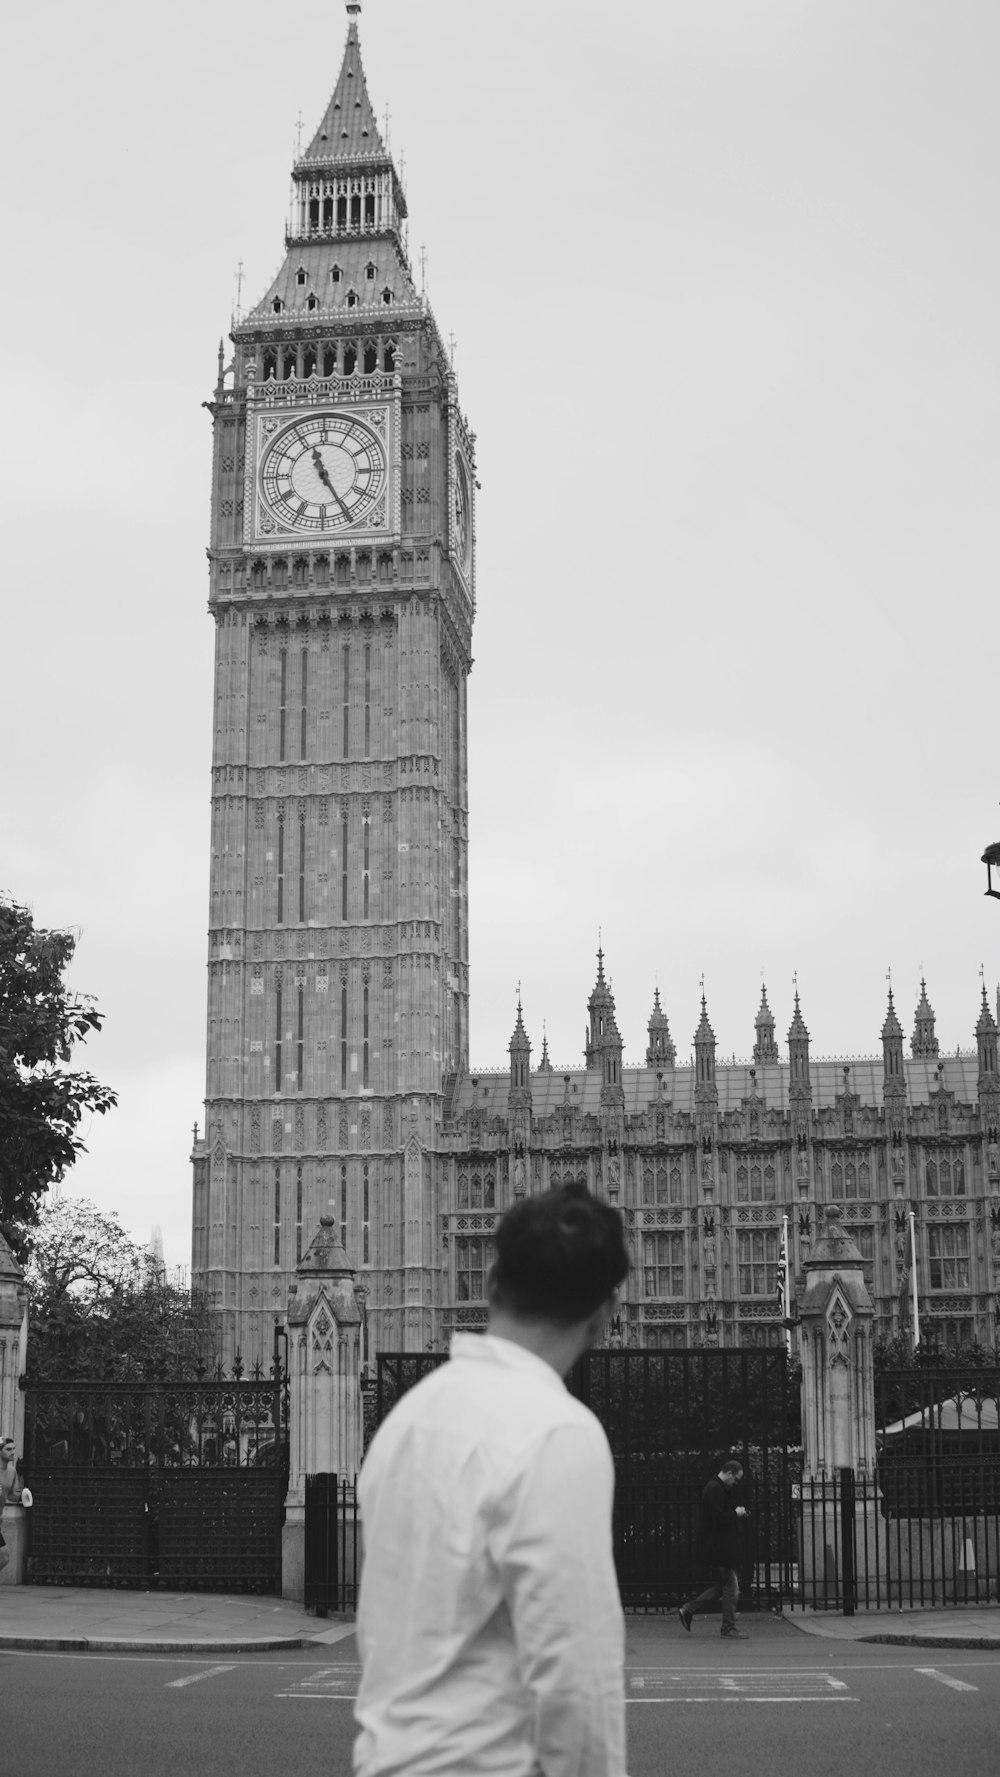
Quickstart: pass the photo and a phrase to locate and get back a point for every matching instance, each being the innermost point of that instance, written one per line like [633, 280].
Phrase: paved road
[778, 1704]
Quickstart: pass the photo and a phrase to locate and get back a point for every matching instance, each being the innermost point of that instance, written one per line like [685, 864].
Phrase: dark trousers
[726, 1587]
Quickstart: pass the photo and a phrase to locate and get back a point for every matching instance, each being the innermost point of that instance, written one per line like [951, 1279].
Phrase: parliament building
[342, 568]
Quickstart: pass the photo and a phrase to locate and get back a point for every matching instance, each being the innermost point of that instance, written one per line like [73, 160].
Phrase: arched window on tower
[387, 297]
[311, 301]
[341, 212]
[329, 360]
[335, 274]
[277, 305]
[314, 212]
[350, 360]
[328, 212]
[302, 276]
[370, 209]
[371, 357]
[352, 299]
[309, 361]
[356, 210]
[288, 364]
[270, 364]
[389, 355]
[371, 270]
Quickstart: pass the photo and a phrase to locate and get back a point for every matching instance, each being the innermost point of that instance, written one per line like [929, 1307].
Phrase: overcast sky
[724, 278]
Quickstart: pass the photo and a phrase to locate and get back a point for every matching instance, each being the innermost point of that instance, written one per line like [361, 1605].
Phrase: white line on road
[176, 1684]
[954, 1684]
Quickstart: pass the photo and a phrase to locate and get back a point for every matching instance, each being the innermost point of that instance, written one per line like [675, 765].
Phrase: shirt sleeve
[551, 1541]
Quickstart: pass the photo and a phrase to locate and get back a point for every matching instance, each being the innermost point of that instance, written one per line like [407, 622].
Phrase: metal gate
[672, 1418]
[175, 1484]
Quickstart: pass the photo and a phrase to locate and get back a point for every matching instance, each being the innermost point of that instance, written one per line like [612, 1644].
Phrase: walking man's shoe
[685, 1616]
[735, 1635]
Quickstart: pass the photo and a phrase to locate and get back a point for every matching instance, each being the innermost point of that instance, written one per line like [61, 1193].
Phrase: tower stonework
[342, 589]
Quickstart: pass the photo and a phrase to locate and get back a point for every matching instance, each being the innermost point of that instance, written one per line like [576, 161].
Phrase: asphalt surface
[777, 1703]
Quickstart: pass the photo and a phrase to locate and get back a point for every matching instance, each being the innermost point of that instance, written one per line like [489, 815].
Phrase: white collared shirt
[489, 1623]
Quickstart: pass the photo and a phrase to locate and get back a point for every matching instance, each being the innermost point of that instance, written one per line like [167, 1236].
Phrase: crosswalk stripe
[176, 1684]
[954, 1684]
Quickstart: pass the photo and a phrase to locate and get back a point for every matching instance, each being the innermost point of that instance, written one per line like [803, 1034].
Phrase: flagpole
[913, 1279]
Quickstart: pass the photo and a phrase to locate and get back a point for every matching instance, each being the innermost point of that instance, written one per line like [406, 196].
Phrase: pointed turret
[601, 1009]
[660, 1050]
[924, 1043]
[705, 1088]
[612, 1090]
[765, 1049]
[800, 1084]
[545, 1065]
[986, 1044]
[520, 1064]
[893, 1081]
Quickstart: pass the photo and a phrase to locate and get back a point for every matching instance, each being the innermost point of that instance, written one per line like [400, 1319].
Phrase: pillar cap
[835, 1246]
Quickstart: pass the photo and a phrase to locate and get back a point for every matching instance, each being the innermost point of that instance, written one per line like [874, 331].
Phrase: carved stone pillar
[324, 1374]
[836, 1315]
[13, 1357]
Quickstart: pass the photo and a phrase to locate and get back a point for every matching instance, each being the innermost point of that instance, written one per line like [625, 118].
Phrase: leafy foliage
[899, 1354]
[42, 1101]
[100, 1306]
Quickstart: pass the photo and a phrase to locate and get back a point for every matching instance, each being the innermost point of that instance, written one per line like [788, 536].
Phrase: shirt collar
[487, 1348]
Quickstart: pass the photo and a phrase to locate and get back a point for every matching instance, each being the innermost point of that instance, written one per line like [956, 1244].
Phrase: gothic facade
[707, 1160]
[342, 588]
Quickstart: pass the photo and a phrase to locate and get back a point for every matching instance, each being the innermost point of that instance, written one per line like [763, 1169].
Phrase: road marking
[954, 1684]
[331, 1684]
[735, 1687]
[176, 1684]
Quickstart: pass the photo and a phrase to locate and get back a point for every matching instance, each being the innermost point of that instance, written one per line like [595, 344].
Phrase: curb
[77, 1644]
[890, 1639]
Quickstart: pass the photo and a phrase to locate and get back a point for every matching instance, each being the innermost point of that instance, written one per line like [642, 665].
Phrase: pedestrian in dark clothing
[720, 1546]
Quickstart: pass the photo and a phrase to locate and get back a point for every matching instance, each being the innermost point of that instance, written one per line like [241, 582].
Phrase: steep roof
[317, 259]
[348, 129]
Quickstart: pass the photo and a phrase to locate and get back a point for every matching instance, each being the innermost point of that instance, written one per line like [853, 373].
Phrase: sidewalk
[963, 1626]
[76, 1619]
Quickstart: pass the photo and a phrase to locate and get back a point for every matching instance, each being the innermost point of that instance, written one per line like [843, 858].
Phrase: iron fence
[916, 1532]
[672, 1418]
[170, 1483]
[332, 1556]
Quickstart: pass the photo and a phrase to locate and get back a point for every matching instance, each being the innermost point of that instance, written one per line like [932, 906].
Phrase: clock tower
[342, 589]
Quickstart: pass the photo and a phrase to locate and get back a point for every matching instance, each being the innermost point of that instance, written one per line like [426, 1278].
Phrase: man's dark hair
[732, 1467]
[559, 1256]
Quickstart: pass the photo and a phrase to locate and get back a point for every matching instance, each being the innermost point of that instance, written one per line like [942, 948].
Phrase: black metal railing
[672, 1418]
[169, 1483]
[916, 1532]
[332, 1557]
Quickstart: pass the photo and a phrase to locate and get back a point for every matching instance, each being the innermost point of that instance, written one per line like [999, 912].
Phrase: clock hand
[325, 479]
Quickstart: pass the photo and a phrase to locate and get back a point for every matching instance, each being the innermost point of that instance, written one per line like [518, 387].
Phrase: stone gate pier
[13, 1358]
[323, 1323]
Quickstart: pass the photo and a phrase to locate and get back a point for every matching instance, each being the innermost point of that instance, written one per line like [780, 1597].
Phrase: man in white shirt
[489, 1623]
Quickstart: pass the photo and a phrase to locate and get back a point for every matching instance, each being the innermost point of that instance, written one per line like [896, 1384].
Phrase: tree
[100, 1306]
[42, 1102]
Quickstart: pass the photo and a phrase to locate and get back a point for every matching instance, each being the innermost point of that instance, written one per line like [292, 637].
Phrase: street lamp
[990, 857]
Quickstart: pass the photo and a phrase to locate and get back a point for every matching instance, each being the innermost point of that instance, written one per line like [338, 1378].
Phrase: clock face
[324, 472]
[463, 513]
